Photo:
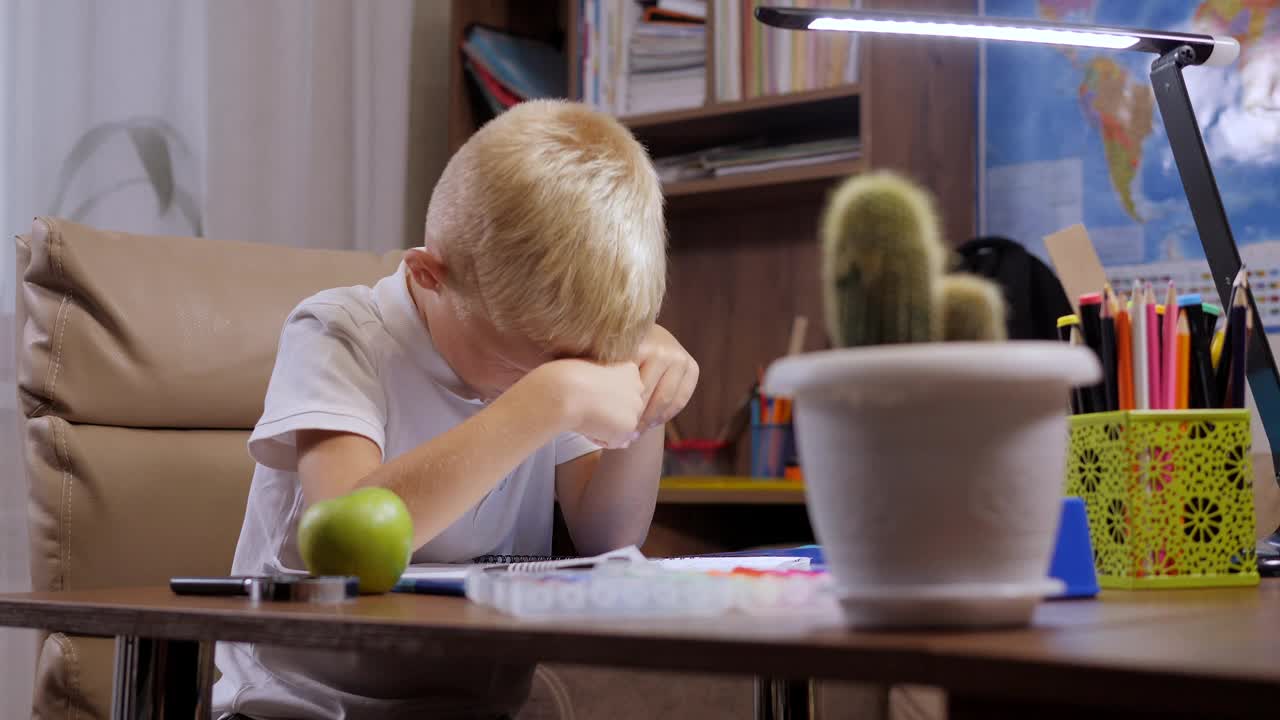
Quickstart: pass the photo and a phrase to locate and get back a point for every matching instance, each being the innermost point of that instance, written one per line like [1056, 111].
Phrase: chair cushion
[73, 678]
[121, 506]
[148, 331]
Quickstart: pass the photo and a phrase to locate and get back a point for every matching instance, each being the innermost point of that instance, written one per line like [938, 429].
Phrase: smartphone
[276, 588]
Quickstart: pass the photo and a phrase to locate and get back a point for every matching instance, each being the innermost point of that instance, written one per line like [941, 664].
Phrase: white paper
[456, 571]
[725, 564]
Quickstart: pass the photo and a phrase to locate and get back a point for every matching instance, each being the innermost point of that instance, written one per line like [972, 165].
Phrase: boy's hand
[601, 402]
[669, 374]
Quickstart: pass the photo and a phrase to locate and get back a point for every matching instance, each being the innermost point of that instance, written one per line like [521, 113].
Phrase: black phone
[282, 588]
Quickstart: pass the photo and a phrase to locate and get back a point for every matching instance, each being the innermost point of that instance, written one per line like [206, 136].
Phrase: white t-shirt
[360, 360]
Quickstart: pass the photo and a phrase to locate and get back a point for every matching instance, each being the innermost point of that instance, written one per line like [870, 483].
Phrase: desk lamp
[1174, 51]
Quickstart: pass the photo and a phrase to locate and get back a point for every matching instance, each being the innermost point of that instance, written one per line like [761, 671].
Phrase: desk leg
[778, 699]
[162, 679]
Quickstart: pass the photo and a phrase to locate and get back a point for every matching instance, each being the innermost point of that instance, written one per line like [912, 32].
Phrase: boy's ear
[426, 267]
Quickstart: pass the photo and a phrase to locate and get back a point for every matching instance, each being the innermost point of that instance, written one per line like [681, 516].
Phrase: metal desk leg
[162, 679]
[778, 699]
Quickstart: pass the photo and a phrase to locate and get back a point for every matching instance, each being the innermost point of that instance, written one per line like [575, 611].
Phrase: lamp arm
[1215, 232]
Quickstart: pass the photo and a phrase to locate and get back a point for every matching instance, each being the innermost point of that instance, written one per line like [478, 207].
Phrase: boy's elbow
[605, 539]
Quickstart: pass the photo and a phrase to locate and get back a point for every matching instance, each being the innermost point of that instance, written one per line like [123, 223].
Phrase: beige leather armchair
[143, 365]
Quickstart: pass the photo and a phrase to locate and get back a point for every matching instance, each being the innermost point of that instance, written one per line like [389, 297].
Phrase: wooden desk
[1210, 652]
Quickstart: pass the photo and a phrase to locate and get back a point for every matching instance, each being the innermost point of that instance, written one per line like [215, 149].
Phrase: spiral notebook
[449, 578]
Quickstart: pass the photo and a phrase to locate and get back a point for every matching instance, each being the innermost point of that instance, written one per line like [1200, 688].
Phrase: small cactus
[881, 258]
[972, 308]
[883, 278]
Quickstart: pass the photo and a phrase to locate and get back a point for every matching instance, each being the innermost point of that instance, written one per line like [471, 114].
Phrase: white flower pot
[934, 474]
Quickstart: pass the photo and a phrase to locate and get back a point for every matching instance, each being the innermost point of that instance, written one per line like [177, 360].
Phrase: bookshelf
[740, 107]
[743, 256]
[748, 181]
[688, 490]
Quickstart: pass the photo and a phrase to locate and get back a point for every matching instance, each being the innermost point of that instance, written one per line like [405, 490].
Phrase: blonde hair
[550, 222]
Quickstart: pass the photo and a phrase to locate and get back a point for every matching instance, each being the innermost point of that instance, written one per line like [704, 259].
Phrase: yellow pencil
[1219, 339]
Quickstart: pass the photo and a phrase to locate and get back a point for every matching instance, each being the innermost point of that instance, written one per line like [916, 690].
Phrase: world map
[1073, 135]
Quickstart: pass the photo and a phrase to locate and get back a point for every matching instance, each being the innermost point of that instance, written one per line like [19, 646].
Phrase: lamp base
[1269, 555]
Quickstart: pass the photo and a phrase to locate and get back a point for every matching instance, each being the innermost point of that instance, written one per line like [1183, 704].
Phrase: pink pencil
[1153, 350]
[1169, 353]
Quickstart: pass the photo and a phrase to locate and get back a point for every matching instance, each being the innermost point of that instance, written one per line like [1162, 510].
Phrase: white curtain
[309, 113]
[282, 121]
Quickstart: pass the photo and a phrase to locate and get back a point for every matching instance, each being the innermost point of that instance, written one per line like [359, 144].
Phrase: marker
[1078, 394]
[1065, 323]
[1110, 354]
[1211, 314]
[1091, 327]
[1069, 332]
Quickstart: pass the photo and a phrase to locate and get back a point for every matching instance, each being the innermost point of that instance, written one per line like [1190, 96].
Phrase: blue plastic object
[1073, 554]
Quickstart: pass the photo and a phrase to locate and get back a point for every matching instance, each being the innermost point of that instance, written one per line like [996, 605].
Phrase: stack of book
[758, 156]
[643, 56]
[506, 69]
[752, 60]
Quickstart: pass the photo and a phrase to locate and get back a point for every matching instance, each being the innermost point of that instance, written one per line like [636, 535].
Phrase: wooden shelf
[726, 490]
[833, 112]
[764, 178]
[720, 109]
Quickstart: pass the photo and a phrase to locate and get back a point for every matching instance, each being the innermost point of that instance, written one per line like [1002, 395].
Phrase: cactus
[881, 258]
[882, 271]
[972, 309]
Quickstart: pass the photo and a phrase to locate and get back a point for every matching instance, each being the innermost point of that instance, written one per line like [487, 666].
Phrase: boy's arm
[441, 478]
[608, 498]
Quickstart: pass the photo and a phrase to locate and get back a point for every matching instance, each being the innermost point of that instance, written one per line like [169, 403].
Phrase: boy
[511, 361]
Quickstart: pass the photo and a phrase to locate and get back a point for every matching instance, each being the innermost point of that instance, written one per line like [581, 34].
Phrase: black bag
[1035, 296]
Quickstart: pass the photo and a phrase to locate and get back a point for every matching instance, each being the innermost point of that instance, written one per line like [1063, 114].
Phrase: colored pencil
[1170, 339]
[1182, 360]
[1124, 350]
[1155, 380]
[1141, 370]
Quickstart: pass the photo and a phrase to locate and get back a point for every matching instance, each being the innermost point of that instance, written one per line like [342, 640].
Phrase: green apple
[367, 533]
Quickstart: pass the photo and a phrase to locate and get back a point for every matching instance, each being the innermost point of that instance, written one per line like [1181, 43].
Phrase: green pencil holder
[1169, 496]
